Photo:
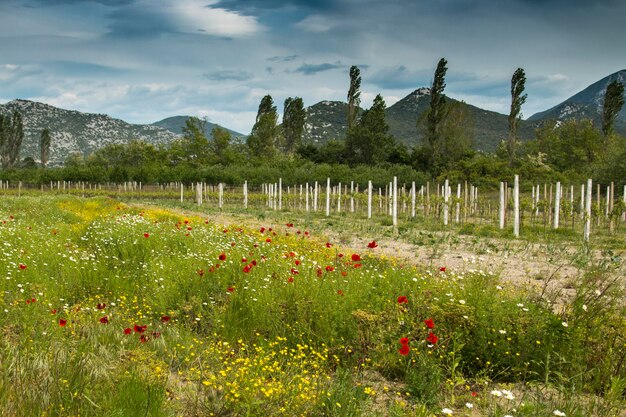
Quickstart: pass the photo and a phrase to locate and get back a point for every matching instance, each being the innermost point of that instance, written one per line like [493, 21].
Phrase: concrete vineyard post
[557, 204]
[327, 197]
[516, 214]
[501, 205]
[413, 199]
[395, 202]
[369, 199]
[587, 230]
[446, 196]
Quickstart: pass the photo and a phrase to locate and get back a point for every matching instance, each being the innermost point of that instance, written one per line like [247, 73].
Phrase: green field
[117, 309]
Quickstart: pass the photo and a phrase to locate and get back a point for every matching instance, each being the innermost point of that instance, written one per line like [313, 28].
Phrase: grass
[281, 320]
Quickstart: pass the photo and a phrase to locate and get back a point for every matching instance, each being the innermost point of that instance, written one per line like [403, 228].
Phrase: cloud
[285, 58]
[150, 17]
[311, 69]
[224, 75]
[399, 78]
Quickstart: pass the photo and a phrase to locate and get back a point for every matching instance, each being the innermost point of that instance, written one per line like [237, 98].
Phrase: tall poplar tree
[354, 95]
[264, 136]
[294, 117]
[436, 115]
[518, 83]
[613, 102]
[44, 146]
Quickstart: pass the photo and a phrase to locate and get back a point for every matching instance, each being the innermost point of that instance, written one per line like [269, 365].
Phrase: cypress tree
[44, 146]
[294, 117]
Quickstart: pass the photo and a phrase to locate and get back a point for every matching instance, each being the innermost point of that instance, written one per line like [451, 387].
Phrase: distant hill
[327, 120]
[587, 104]
[76, 132]
[175, 125]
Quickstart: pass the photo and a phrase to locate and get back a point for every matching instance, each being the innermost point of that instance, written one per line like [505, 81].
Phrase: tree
[518, 82]
[44, 146]
[196, 141]
[368, 142]
[294, 117]
[613, 102]
[354, 95]
[11, 137]
[221, 145]
[264, 136]
[436, 113]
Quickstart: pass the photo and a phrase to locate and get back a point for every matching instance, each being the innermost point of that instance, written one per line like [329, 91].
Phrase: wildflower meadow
[111, 308]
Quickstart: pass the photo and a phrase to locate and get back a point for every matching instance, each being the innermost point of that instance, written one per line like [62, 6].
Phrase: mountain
[327, 120]
[76, 132]
[587, 104]
[175, 124]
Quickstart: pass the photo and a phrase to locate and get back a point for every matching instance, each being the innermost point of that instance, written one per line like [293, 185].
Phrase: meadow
[129, 308]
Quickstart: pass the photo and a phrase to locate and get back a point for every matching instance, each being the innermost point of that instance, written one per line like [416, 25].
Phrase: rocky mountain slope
[76, 132]
[587, 104]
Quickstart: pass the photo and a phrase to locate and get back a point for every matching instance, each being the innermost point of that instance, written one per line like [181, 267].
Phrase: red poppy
[430, 323]
[156, 335]
[294, 271]
[232, 244]
[200, 272]
[289, 224]
[165, 319]
[474, 393]
[262, 230]
[146, 235]
[329, 245]
[22, 266]
[140, 329]
[372, 244]
[62, 322]
[144, 338]
[355, 257]
[53, 311]
[404, 350]
[340, 292]
[290, 279]
[431, 338]
[404, 341]
[403, 299]
[104, 320]
[101, 306]
[247, 268]
[186, 221]
[127, 330]
[442, 269]
[268, 240]
[344, 273]
[330, 268]
[225, 230]
[340, 255]
[230, 289]
[253, 262]
[297, 262]
[357, 265]
[222, 256]
[319, 272]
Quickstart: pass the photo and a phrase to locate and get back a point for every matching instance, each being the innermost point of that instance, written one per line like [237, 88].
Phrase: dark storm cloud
[103, 2]
[310, 69]
[232, 75]
[251, 5]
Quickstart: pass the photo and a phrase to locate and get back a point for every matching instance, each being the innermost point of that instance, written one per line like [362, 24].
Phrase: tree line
[560, 149]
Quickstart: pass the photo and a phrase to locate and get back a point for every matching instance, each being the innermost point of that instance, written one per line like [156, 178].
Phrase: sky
[145, 60]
